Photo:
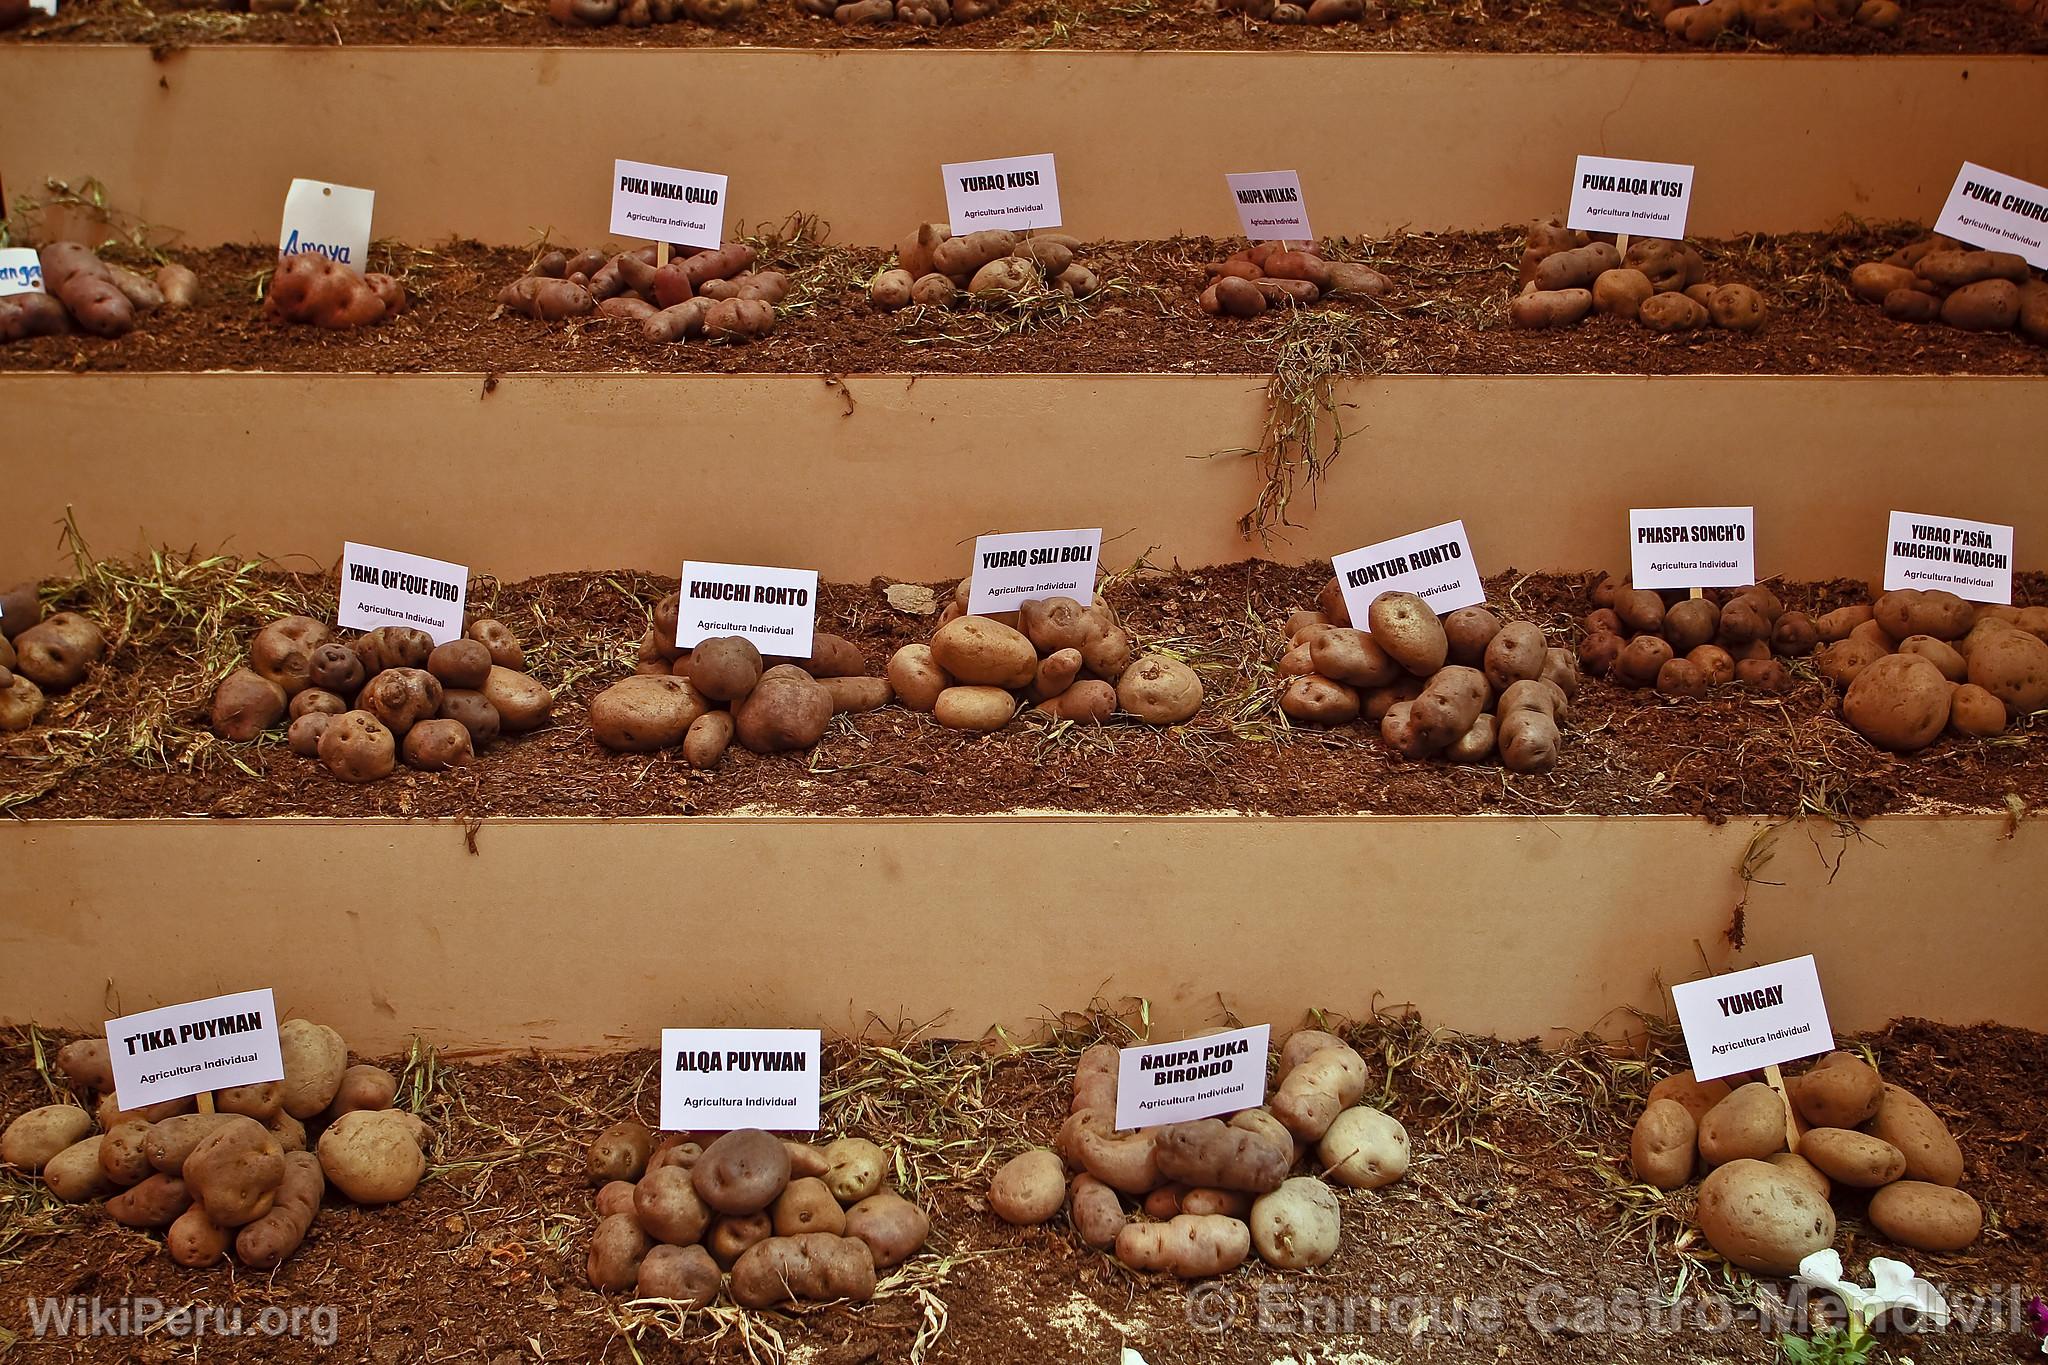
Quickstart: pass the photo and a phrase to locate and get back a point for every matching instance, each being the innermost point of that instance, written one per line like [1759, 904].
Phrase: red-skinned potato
[309, 288]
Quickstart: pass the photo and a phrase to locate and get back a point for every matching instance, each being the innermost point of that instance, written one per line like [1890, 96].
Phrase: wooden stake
[660, 254]
[1621, 243]
[1775, 1078]
[206, 1101]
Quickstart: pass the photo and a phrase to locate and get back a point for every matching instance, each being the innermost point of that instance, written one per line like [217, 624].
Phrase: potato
[1089, 702]
[1926, 1217]
[643, 714]
[235, 1171]
[1159, 690]
[1737, 308]
[1672, 313]
[1296, 1227]
[265, 1243]
[725, 667]
[1029, 1188]
[1126, 1162]
[707, 739]
[960, 257]
[1468, 631]
[437, 745]
[1528, 742]
[1535, 307]
[473, 712]
[1873, 281]
[1900, 702]
[741, 1172]
[254, 1101]
[2012, 665]
[981, 709]
[786, 710]
[1975, 713]
[1986, 306]
[1662, 1147]
[1600, 651]
[315, 1060]
[616, 1196]
[461, 663]
[317, 701]
[1621, 292]
[1698, 1097]
[1561, 670]
[978, 651]
[195, 1240]
[853, 1168]
[1641, 660]
[1577, 267]
[1796, 1165]
[1095, 1076]
[1911, 611]
[806, 1205]
[934, 291]
[814, 1267]
[1672, 267]
[362, 1087]
[1851, 1158]
[1056, 673]
[894, 1228]
[1315, 700]
[522, 703]
[546, 300]
[1364, 1149]
[124, 1154]
[308, 288]
[1918, 1132]
[1006, 278]
[1748, 1125]
[1840, 663]
[109, 1114]
[373, 1155]
[154, 1203]
[21, 606]
[35, 1137]
[282, 651]
[21, 701]
[668, 1208]
[729, 1238]
[245, 705]
[1095, 1211]
[1403, 625]
[1317, 1089]
[683, 1275]
[833, 656]
[356, 747]
[1837, 624]
[1681, 678]
[1189, 1246]
[890, 289]
[337, 668]
[1761, 1218]
[1685, 626]
[1838, 1091]
[289, 1132]
[616, 1250]
[1250, 1152]
[855, 696]
[620, 1152]
[916, 677]
[171, 1140]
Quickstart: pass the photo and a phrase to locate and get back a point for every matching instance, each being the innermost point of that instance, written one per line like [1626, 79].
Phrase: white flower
[1893, 1285]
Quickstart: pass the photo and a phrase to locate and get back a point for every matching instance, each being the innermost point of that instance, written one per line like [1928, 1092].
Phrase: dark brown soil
[1514, 1236]
[1448, 315]
[1626, 753]
[1930, 26]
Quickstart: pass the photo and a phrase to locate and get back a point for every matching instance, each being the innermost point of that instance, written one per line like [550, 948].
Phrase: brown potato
[2012, 665]
[894, 1228]
[393, 647]
[1159, 690]
[1899, 702]
[725, 668]
[1714, 664]
[1189, 1246]
[981, 709]
[1517, 651]
[36, 1136]
[1056, 673]
[1318, 1089]
[1737, 307]
[1854, 1159]
[373, 1155]
[806, 1205]
[814, 1267]
[1296, 1227]
[1577, 267]
[707, 739]
[1403, 625]
[1681, 678]
[1029, 1188]
[890, 289]
[1905, 1122]
[1535, 307]
[1095, 1211]
[265, 1243]
[1748, 1125]
[1839, 1091]
[858, 695]
[282, 651]
[1662, 1147]
[1641, 660]
[1689, 624]
[854, 1169]
[1975, 713]
[317, 701]
[833, 656]
[521, 702]
[337, 668]
[1762, 1218]
[461, 663]
[1986, 306]
[1314, 700]
[1926, 1217]
[437, 745]
[1840, 663]
[473, 712]
[155, 1203]
[1468, 631]
[1640, 609]
[171, 1140]
[741, 1172]
[645, 713]
[620, 1152]
[235, 1171]
[1698, 1097]
[616, 1250]
[686, 1275]
[978, 651]
[668, 1208]
[1621, 292]
[917, 678]
[245, 705]
[1253, 1151]
[254, 1101]
[401, 698]
[362, 1087]
[356, 747]
[195, 1240]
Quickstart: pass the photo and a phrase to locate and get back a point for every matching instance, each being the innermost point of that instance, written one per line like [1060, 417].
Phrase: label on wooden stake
[1030, 566]
[179, 1050]
[1643, 198]
[1692, 547]
[1745, 1021]
[1972, 559]
[21, 271]
[1997, 212]
[1436, 565]
[775, 609]
[391, 588]
[719, 1079]
[328, 220]
[1020, 193]
[668, 204]
[1218, 1073]
[1270, 207]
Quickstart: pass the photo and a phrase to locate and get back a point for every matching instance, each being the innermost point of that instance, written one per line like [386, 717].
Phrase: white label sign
[1999, 212]
[1270, 207]
[1971, 559]
[1029, 566]
[719, 1079]
[43, 6]
[21, 271]
[1220, 1073]
[775, 609]
[180, 1050]
[391, 588]
[1015, 192]
[329, 220]
[1647, 198]
[1745, 1021]
[1436, 565]
[668, 204]
[1692, 547]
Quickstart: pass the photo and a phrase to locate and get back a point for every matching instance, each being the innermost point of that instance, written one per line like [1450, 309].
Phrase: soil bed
[132, 741]
[1516, 1234]
[1929, 26]
[1447, 315]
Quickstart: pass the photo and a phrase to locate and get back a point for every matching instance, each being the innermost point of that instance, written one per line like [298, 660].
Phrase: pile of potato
[724, 689]
[1770, 20]
[1064, 660]
[248, 1172]
[359, 705]
[933, 268]
[1284, 12]
[83, 293]
[39, 656]
[1765, 1208]
[311, 290]
[1963, 286]
[641, 13]
[1283, 275]
[923, 13]
[1210, 1192]
[791, 1222]
[1566, 274]
[717, 295]
[1915, 663]
[1682, 645]
[1462, 688]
